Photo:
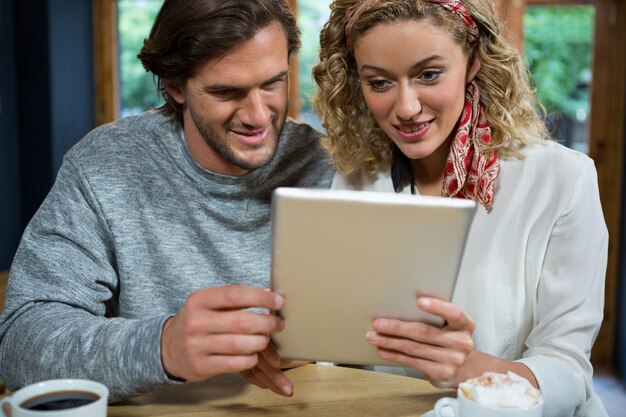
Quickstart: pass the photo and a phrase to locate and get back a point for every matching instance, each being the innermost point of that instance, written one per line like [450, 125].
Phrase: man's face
[235, 106]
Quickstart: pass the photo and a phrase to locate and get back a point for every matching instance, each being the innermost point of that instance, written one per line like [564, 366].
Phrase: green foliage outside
[558, 51]
[312, 14]
[138, 89]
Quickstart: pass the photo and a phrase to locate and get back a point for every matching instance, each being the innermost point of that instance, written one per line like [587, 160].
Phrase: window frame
[106, 61]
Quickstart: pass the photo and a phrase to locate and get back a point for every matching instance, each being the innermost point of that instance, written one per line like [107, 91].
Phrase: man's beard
[220, 145]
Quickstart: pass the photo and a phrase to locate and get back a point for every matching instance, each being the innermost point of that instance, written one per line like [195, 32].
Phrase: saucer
[445, 411]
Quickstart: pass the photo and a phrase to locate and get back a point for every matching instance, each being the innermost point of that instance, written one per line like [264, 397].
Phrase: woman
[427, 97]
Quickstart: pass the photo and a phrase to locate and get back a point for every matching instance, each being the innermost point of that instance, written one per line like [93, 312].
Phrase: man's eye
[222, 93]
[274, 83]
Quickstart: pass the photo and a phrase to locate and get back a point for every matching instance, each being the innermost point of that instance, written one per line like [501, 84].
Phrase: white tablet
[343, 258]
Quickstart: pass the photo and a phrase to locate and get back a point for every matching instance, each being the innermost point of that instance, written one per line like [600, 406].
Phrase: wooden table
[320, 391]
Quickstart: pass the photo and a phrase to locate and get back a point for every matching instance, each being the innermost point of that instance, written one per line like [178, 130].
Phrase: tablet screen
[343, 258]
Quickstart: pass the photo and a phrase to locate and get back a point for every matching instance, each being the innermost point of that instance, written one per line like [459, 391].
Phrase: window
[312, 14]
[558, 44]
[138, 90]
[605, 136]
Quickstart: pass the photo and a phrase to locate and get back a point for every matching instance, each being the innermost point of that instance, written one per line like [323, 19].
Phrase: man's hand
[268, 372]
[212, 333]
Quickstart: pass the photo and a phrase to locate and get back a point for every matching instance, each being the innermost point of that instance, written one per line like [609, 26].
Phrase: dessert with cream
[497, 390]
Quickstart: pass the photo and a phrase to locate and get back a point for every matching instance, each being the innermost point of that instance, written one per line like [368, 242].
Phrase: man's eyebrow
[277, 77]
[228, 87]
[219, 87]
[416, 65]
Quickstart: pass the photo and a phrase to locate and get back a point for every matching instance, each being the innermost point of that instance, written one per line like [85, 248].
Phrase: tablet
[343, 258]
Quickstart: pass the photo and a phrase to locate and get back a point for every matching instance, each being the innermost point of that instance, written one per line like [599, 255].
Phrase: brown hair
[354, 139]
[187, 33]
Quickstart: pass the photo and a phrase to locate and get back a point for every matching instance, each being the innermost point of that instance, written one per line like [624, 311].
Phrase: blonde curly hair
[355, 141]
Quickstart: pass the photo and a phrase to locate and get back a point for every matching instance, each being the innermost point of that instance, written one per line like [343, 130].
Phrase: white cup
[461, 406]
[92, 399]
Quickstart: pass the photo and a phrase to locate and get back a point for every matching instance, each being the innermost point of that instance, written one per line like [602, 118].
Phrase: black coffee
[59, 400]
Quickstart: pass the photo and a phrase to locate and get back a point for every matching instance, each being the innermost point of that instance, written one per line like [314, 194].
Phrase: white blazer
[532, 276]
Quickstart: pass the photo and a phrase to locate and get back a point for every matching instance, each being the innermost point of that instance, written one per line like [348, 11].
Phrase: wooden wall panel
[294, 84]
[606, 147]
[106, 68]
[512, 15]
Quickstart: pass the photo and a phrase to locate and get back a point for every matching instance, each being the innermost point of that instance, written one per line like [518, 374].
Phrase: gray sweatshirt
[130, 228]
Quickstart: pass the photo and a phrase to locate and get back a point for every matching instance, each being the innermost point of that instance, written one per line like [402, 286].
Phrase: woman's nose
[408, 104]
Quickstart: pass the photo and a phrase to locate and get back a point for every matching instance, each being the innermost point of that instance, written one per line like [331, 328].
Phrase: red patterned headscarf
[353, 13]
[470, 171]
[457, 7]
[356, 10]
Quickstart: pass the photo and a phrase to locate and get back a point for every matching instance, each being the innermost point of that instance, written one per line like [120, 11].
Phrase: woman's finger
[411, 348]
[440, 375]
[455, 318]
[425, 333]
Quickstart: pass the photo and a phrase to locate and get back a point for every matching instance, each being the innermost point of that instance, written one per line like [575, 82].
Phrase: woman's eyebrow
[420, 63]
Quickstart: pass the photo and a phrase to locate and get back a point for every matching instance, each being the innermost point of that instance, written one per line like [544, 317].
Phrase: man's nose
[254, 111]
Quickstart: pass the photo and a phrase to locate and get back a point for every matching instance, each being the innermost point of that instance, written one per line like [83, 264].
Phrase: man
[125, 274]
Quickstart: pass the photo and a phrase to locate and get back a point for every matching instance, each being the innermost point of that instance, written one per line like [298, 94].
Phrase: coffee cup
[59, 398]
[493, 395]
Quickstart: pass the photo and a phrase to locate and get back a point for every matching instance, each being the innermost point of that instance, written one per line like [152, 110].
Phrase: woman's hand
[437, 352]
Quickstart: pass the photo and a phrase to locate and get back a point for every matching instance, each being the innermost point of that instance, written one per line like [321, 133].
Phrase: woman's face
[413, 76]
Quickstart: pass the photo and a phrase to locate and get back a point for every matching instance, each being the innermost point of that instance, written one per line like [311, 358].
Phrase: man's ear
[473, 65]
[174, 91]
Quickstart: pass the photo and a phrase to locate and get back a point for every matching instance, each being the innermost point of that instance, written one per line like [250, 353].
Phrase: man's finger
[231, 344]
[235, 297]
[208, 366]
[271, 356]
[241, 322]
[275, 377]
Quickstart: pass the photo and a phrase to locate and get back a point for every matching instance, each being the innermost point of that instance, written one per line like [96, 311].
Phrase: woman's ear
[473, 65]
[174, 91]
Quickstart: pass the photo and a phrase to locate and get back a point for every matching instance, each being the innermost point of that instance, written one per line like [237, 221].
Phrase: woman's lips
[413, 131]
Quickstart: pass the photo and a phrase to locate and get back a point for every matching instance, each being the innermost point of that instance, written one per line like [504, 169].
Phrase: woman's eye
[378, 85]
[431, 75]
